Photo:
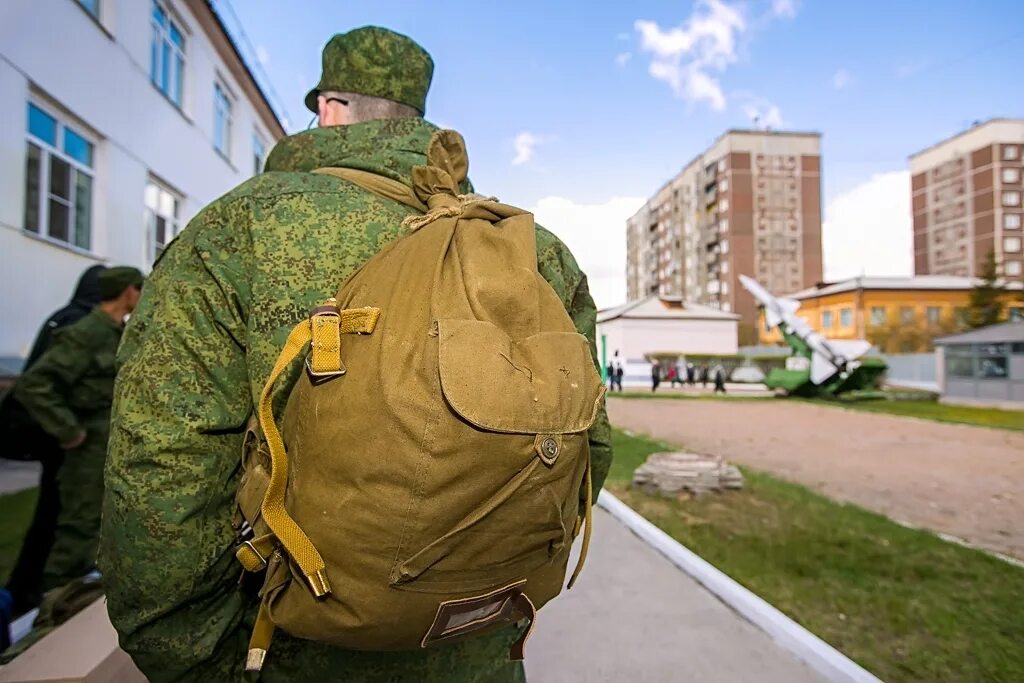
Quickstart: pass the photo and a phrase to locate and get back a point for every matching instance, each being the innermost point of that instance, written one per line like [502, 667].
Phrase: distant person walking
[619, 372]
[704, 376]
[719, 379]
[691, 373]
[655, 376]
[24, 439]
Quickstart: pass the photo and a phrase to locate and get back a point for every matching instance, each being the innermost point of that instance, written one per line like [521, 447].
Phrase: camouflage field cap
[115, 280]
[377, 62]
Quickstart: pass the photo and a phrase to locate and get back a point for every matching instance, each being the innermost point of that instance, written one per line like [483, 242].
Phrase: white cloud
[868, 229]
[687, 56]
[841, 79]
[784, 8]
[623, 57]
[596, 235]
[525, 144]
[262, 55]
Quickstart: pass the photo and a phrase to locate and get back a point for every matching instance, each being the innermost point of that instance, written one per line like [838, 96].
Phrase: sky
[580, 110]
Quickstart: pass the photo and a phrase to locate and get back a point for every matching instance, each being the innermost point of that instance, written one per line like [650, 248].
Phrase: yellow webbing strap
[253, 555]
[259, 641]
[588, 523]
[378, 184]
[284, 528]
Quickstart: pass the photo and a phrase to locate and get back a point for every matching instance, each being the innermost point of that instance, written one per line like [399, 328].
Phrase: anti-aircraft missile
[828, 356]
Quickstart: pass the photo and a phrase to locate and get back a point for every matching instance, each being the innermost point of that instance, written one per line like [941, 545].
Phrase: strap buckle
[247, 553]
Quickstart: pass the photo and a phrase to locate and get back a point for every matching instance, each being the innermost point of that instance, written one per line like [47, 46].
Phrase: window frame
[161, 38]
[1015, 241]
[1016, 218]
[259, 160]
[151, 214]
[1018, 268]
[879, 319]
[76, 167]
[1015, 194]
[827, 320]
[930, 318]
[846, 317]
[223, 104]
[1011, 170]
[1010, 153]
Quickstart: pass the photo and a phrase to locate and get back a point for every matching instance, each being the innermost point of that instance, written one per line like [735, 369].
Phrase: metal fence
[912, 370]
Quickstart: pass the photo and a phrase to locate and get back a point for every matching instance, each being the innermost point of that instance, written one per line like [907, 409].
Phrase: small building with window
[984, 366]
[897, 314]
[122, 118]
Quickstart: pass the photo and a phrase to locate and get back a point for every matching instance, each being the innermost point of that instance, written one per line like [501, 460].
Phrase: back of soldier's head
[371, 73]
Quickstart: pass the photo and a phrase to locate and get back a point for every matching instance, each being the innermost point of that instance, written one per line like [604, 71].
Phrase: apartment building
[750, 204]
[122, 118]
[966, 194]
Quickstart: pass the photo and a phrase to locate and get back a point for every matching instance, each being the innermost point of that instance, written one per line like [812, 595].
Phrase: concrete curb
[21, 626]
[817, 654]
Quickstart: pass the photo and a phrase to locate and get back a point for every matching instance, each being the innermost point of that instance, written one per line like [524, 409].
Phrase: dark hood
[87, 293]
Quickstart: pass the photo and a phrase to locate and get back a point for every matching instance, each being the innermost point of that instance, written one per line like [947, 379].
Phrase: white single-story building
[629, 334]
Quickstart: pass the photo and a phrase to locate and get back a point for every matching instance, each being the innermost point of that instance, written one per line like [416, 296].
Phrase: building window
[1016, 315]
[826, 320]
[1009, 152]
[846, 317]
[933, 313]
[725, 246]
[877, 315]
[163, 217]
[1011, 221]
[58, 180]
[167, 54]
[1011, 244]
[723, 225]
[1011, 175]
[1011, 198]
[259, 153]
[723, 206]
[723, 184]
[221, 120]
[906, 315]
[91, 6]
[1012, 268]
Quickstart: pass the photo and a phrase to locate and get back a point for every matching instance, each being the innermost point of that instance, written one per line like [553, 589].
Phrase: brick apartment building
[966, 195]
[750, 204]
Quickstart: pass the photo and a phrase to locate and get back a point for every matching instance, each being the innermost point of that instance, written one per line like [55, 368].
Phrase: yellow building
[895, 313]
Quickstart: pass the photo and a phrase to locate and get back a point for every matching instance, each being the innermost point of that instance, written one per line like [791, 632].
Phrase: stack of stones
[676, 474]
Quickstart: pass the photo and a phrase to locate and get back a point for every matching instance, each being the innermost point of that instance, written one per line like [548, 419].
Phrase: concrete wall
[97, 75]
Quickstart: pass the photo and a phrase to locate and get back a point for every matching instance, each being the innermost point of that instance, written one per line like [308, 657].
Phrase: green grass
[940, 412]
[902, 603]
[15, 515]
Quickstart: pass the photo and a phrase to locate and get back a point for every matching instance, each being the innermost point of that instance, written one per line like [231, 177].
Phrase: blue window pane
[42, 125]
[176, 37]
[159, 15]
[93, 6]
[179, 68]
[165, 67]
[77, 147]
[154, 55]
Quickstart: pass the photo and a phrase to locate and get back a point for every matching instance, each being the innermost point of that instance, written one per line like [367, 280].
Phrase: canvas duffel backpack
[425, 484]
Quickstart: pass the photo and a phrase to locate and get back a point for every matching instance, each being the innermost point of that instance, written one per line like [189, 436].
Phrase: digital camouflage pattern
[70, 390]
[213, 318]
[377, 62]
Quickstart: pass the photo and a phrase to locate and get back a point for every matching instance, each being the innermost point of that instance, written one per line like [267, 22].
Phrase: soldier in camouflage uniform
[68, 391]
[197, 353]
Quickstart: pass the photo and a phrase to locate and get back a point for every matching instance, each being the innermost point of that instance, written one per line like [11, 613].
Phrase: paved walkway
[17, 476]
[633, 616]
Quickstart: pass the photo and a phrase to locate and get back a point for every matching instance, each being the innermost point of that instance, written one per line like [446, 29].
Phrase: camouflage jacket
[70, 388]
[212, 320]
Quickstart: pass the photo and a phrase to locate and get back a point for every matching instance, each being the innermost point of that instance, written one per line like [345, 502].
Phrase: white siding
[102, 81]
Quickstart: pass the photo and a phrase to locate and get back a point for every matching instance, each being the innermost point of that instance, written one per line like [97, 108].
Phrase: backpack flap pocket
[543, 384]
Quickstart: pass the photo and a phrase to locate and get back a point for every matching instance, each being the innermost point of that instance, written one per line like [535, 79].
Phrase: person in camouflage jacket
[197, 353]
[68, 392]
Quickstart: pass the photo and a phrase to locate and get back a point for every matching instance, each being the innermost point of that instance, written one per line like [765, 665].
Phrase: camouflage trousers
[80, 483]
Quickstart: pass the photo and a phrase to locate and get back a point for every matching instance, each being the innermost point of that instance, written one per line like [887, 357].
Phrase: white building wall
[99, 77]
[634, 338]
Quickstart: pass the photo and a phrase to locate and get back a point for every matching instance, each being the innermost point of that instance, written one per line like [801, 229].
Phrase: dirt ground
[954, 479]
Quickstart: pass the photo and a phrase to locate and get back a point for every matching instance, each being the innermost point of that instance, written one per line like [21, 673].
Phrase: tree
[985, 306]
